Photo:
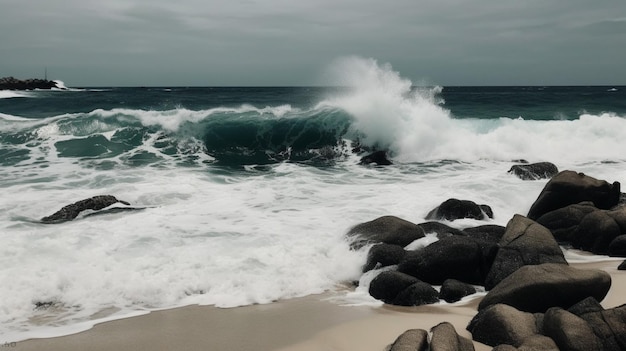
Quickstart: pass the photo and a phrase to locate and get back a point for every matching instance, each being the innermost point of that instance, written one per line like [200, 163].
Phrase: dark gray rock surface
[536, 288]
[71, 211]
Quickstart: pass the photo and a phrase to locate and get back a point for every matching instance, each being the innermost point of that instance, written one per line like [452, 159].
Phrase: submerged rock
[70, 212]
[440, 229]
[534, 171]
[377, 157]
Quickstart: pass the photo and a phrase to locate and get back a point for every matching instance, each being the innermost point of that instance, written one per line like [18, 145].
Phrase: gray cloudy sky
[290, 42]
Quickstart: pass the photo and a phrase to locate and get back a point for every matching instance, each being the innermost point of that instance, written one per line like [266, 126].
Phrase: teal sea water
[248, 192]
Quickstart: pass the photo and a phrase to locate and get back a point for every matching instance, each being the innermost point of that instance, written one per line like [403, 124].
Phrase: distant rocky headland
[10, 83]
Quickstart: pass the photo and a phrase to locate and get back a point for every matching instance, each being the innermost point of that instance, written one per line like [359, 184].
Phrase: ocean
[246, 194]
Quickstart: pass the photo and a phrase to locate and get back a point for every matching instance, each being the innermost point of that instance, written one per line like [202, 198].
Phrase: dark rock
[609, 325]
[502, 324]
[377, 157]
[534, 171]
[440, 229]
[10, 83]
[617, 248]
[568, 188]
[525, 242]
[619, 215]
[388, 284]
[536, 288]
[445, 338]
[453, 290]
[563, 222]
[595, 232]
[396, 288]
[586, 227]
[70, 212]
[452, 209]
[386, 229]
[585, 306]
[489, 232]
[382, 255]
[622, 266]
[416, 294]
[411, 340]
[570, 332]
[455, 257]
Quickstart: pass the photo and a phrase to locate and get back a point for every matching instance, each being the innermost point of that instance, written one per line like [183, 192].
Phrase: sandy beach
[310, 323]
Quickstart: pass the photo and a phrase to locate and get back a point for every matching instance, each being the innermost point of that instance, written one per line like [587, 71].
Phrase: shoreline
[308, 323]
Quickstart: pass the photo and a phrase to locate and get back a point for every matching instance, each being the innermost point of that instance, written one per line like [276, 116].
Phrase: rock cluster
[10, 83]
[535, 300]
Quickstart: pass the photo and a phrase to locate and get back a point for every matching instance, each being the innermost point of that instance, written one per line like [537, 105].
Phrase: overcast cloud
[282, 42]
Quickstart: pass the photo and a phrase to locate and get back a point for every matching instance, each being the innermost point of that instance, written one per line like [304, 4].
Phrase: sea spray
[414, 125]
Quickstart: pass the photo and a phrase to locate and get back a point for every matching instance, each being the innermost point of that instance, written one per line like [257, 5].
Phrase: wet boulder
[377, 157]
[440, 229]
[536, 288]
[569, 187]
[69, 212]
[386, 229]
[488, 232]
[396, 288]
[534, 171]
[525, 242]
[453, 290]
[456, 257]
[452, 209]
[383, 255]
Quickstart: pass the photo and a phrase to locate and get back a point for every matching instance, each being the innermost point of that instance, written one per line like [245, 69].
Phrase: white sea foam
[8, 94]
[415, 127]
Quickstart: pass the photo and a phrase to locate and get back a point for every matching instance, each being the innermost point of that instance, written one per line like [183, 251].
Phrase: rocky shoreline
[535, 300]
[11, 83]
